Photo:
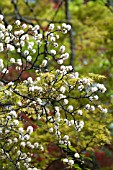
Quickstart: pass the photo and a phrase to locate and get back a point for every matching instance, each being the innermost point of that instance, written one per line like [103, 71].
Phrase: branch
[72, 45]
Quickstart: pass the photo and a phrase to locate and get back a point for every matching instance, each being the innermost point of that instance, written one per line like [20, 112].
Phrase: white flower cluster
[51, 92]
[70, 162]
[21, 139]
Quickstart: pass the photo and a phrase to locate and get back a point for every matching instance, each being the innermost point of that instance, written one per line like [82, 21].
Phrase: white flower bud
[70, 108]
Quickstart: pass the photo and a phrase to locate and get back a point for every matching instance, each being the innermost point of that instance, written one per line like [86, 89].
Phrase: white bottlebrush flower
[68, 27]
[76, 155]
[104, 110]
[13, 113]
[51, 130]
[5, 71]
[94, 89]
[30, 80]
[44, 63]
[52, 52]
[39, 36]
[19, 62]
[52, 39]
[55, 44]
[38, 42]
[92, 108]
[22, 43]
[65, 101]
[87, 106]
[96, 97]
[65, 160]
[81, 124]
[19, 103]
[29, 58]
[10, 83]
[2, 27]
[60, 61]
[41, 148]
[64, 31]
[81, 87]
[38, 88]
[17, 22]
[16, 122]
[24, 26]
[101, 87]
[9, 141]
[57, 36]
[22, 144]
[72, 122]
[26, 137]
[33, 51]
[36, 145]
[26, 52]
[12, 60]
[71, 162]
[1, 17]
[58, 27]
[79, 112]
[21, 130]
[28, 160]
[66, 137]
[15, 140]
[62, 89]
[29, 129]
[1, 35]
[31, 88]
[1, 47]
[1, 63]
[70, 108]
[36, 27]
[62, 49]
[10, 47]
[7, 40]
[64, 25]
[28, 143]
[51, 26]
[66, 56]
